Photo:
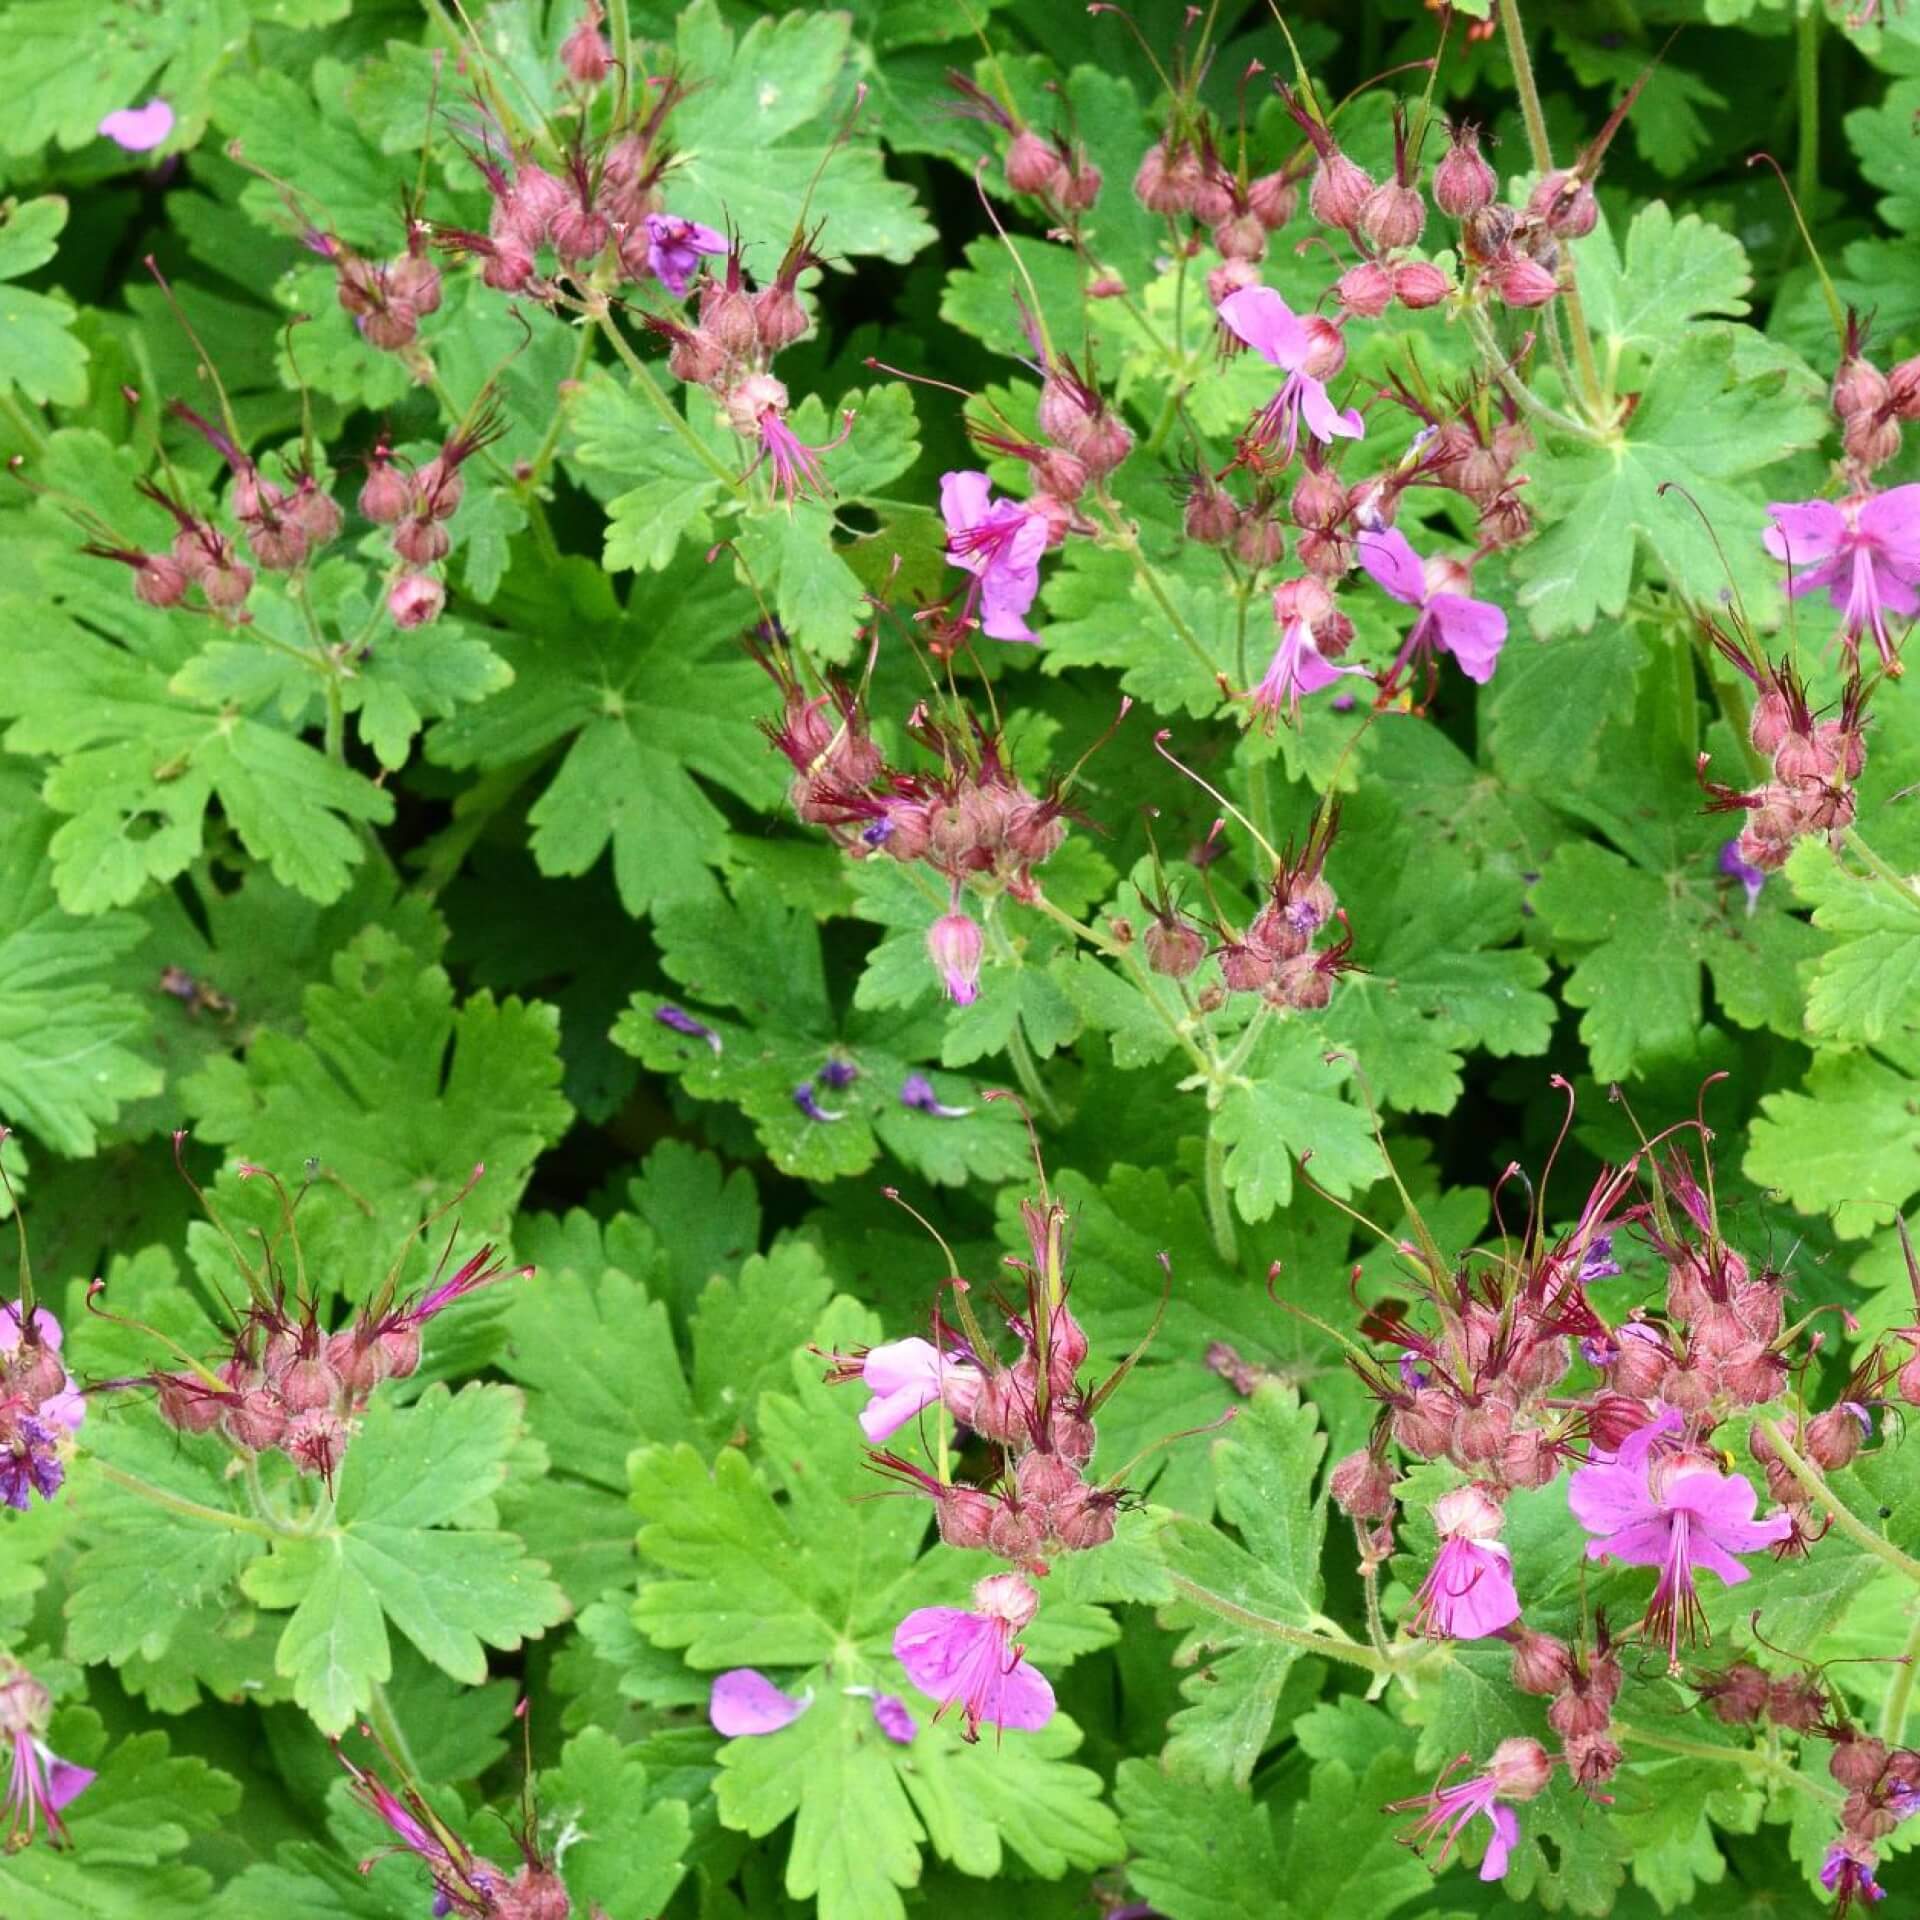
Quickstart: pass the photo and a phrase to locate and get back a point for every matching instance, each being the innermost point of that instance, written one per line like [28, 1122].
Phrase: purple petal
[1506, 1836]
[1393, 566]
[1805, 532]
[895, 1719]
[1605, 1498]
[1473, 631]
[745, 1703]
[1267, 324]
[1324, 420]
[963, 499]
[65, 1781]
[138, 129]
[1891, 520]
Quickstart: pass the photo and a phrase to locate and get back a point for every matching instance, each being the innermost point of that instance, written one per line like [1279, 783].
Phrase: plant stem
[1592, 392]
[381, 1717]
[1856, 1530]
[21, 418]
[1893, 1716]
[1751, 1759]
[1806, 69]
[1351, 1651]
[544, 452]
[178, 1503]
[620, 29]
[657, 399]
[1516, 389]
[1226, 1242]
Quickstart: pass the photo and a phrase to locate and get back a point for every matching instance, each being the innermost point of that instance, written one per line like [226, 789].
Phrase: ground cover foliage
[958, 954]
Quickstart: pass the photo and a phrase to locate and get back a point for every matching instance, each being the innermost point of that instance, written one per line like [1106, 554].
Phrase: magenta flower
[39, 1406]
[1749, 876]
[1469, 1593]
[65, 1408]
[1279, 336]
[1655, 1503]
[954, 945]
[138, 129]
[895, 1719]
[462, 1882]
[39, 1783]
[744, 1703]
[1297, 668]
[1864, 550]
[1000, 543]
[906, 1375]
[1473, 631]
[970, 1659]
[1847, 1872]
[796, 466]
[1519, 1770]
[919, 1093]
[674, 247]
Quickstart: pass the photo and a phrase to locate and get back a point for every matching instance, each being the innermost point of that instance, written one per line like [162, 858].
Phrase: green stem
[620, 33]
[336, 737]
[1516, 389]
[1893, 1716]
[1806, 69]
[383, 1720]
[1750, 1759]
[1594, 394]
[1880, 868]
[1025, 1068]
[657, 399]
[1736, 709]
[177, 1503]
[1351, 1651]
[555, 427]
[1226, 1242]
[1169, 413]
[1815, 1482]
[35, 436]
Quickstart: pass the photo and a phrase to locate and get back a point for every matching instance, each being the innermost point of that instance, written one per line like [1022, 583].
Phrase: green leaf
[1197, 1853]
[38, 353]
[1287, 1106]
[1646, 296]
[1700, 423]
[627, 1843]
[389, 1556]
[1847, 1146]
[1866, 987]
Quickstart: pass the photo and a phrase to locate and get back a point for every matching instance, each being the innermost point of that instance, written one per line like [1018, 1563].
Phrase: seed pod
[415, 599]
[1210, 515]
[1273, 200]
[1259, 540]
[1463, 182]
[1033, 163]
[1392, 216]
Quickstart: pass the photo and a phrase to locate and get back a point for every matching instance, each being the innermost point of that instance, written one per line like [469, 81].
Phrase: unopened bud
[415, 600]
[1903, 389]
[1362, 1486]
[1738, 1696]
[1517, 281]
[1565, 204]
[1858, 1761]
[965, 1516]
[421, 542]
[1240, 237]
[779, 318]
[1366, 289]
[1871, 439]
[1033, 163]
[1859, 387]
[1210, 515]
[1174, 948]
[1393, 216]
[1259, 540]
[585, 53]
[1463, 182]
[1540, 1663]
[1338, 192]
[1576, 1712]
[1834, 1437]
[1520, 1769]
[1080, 187]
[1273, 200]
[1419, 284]
[1165, 182]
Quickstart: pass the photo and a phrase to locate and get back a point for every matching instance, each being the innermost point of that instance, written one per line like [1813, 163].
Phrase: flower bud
[1903, 389]
[277, 544]
[1213, 196]
[1245, 969]
[1419, 284]
[1033, 164]
[390, 326]
[1480, 1433]
[159, 580]
[1274, 933]
[697, 358]
[580, 234]
[227, 585]
[584, 52]
[1540, 1663]
[1165, 182]
[1174, 948]
[316, 514]
[1210, 515]
[1393, 216]
[1528, 1459]
[255, 1422]
[1300, 985]
[1857, 1761]
[1463, 182]
[1326, 350]
[1834, 1437]
[779, 318]
[1593, 1759]
[1687, 1386]
[1565, 204]
[186, 1403]
[1752, 1375]
[1366, 289]
[1072, 1436]
[1578, 1712]
[1057, 472]
[1871, 439]
[1273, 200]
[1424, 1426]
[1259, 540]
[534, 1893]
[965, 1516]
[1103, 443]
[308, 1383]
[1240, 237]
[415, 600]
[507, 269]
[954, 945]
[1330, 555]
[1339, 190]
[1859, 387]
[1080, 188]
[415, 278]
[421, 542]
[1907, 1380]
[1084, 1520]
[1516, 281]
[1362, 1486]
[1520, 1768]
[1017, 1532]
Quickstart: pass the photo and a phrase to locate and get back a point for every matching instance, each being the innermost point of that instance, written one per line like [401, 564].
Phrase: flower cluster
[40, 1785]
[39, 1403]
[385, 299]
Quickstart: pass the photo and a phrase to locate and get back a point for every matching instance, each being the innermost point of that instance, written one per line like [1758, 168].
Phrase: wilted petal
[745, 1703]
[138, 129]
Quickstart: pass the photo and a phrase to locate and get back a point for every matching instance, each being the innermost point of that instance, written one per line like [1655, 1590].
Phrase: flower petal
[744, 1703]
[1805, 531]
[1393, 566]
[1473, 631]
[1267, 324]
[963, 501]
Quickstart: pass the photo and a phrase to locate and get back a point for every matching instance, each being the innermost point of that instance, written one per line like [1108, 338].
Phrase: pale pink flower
[1656, 1503]
[39, 1784]
[1258, 316]
[674, 247]
[1000, 543]
[1865, 551]
[971, 1660]
[906, 1375]
[1473, 631]
[955, 946]
[1519, 1770]
[1469, 1593]
[138, 129]
[744, 1703]
[1297, 668]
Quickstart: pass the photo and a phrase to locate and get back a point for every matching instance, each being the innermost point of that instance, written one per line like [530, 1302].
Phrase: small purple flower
[1469, 1592]
[1413, 1376]
[744, 1703]
[803, 1098]
[1749, 877]
[1865, 551]
[1473, 631]
[1654, 1503]
[138, 129]
[29, 1461]
[1000, 543]
[674, 247]
[838, 1073]
[1297, 668]
[905, 1375]
[970, 1660]
[683, 1022]
[1258, 316]
[1848, 1873]
[917, 1092]
[895, 1719]
[1598, 1262]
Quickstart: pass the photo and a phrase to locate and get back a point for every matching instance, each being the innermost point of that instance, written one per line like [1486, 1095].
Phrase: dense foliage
[958, 954]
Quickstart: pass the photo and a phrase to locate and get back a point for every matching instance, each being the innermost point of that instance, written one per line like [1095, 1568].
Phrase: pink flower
[1297, 668]
[1864, 550]
[1655, 1503]
[138, 129]
[796, 466]
[1473, 631]
[40, 1784]
[1519, 1770]
[463, 1883]
[1469, 1592]
[1279, 336]
[895, 1719]
[954, 947]
[1000, 543]
[66, 1408]
[674, 247]
[970, 1660]
[744, 1703]
[905, 1375]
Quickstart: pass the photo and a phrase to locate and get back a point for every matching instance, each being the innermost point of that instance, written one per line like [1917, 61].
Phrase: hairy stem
[1516, 389]
[1350, 1651]
[1893, 1716]
[178, 1503]
[657, 399]
[1806, 71]
[1844, 1517]
[1226, 1242]
[1750, 1759]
